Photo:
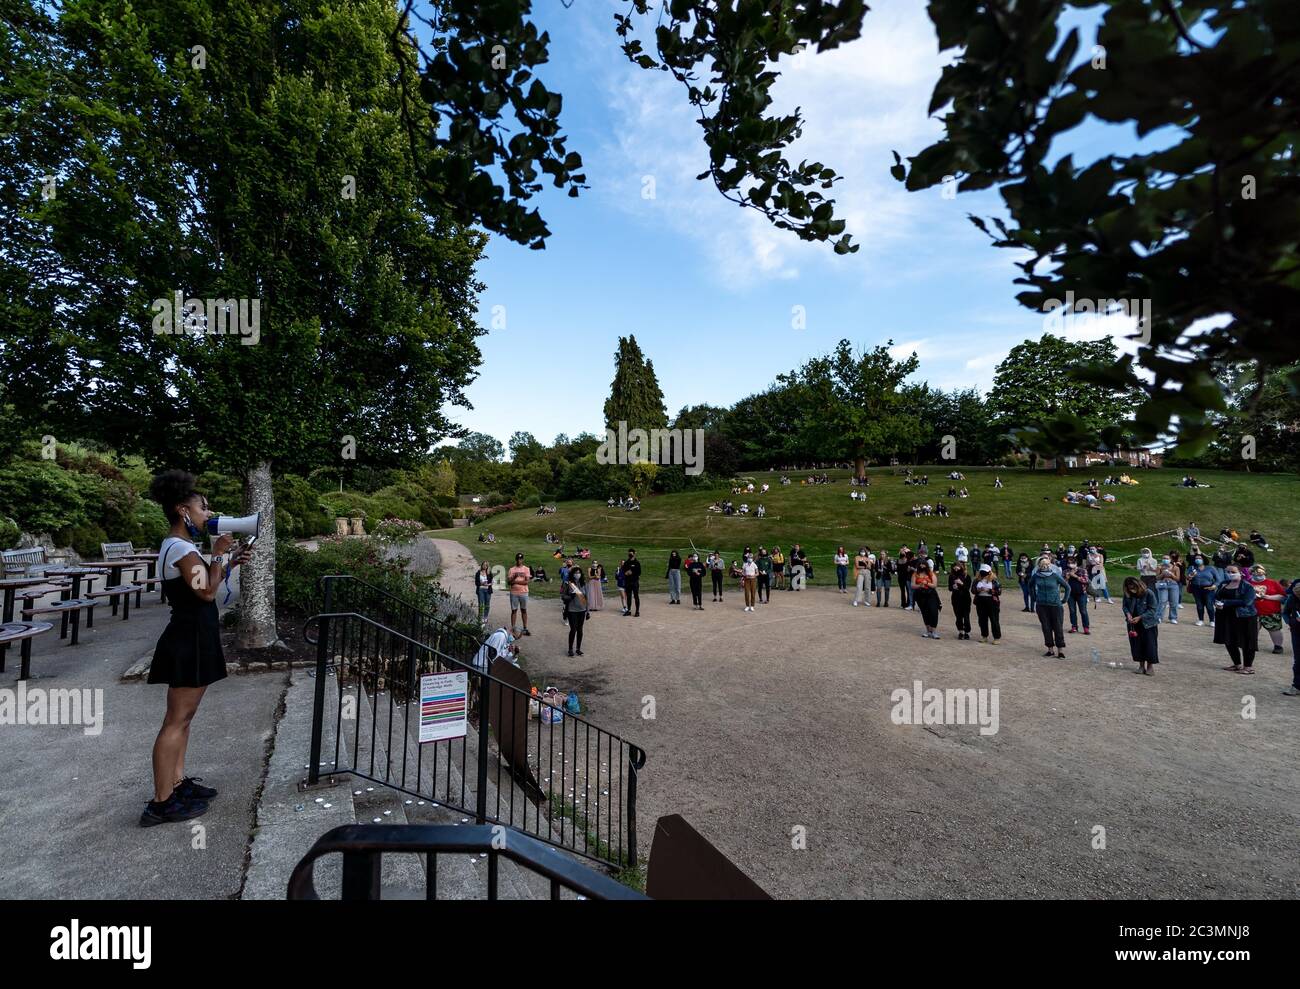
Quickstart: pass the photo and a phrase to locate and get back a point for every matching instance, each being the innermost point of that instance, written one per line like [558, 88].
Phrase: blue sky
[709, 288]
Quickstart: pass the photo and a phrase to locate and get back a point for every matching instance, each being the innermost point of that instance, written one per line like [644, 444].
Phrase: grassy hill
[1027, 512]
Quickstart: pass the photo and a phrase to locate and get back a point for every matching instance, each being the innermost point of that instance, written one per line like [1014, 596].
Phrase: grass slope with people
[1027, 512]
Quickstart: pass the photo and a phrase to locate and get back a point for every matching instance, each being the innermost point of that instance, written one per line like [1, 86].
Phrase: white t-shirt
[841, 559]
[749, 568]
[492, 648]
[173, 550]
[962, 553]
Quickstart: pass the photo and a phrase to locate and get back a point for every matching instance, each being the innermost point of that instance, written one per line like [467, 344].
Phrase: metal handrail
[363, 845]
[633, 757]
[477, 672]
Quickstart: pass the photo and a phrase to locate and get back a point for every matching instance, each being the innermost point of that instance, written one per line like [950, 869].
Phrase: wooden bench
[24, 632]
[123, 591]
[21, 562]
[116, 551]
[69, 607]
[145, 584]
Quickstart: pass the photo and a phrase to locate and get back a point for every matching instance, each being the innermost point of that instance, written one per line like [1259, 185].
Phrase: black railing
[551, 774]
[343, 592]
[364, 845]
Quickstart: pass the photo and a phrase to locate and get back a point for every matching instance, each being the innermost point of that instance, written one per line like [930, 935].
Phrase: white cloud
[860, 102]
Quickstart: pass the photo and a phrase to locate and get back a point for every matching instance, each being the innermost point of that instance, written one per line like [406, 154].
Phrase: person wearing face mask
[1078, 598]
[1236, 628]
[1203, 582]
[717, 570]
[1048, 585]
[1168, 591]
[749, 577]
[1024, 574]
[883, 576]
[925, 598]
[862, 577]
[1269, 595]
[695, 570]
[1147, 566]
[764, 576]
[573, 594]
[188, 657]
[632, 583]
[988, 604]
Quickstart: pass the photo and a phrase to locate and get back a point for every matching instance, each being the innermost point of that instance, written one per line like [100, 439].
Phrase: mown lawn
[1027, 511]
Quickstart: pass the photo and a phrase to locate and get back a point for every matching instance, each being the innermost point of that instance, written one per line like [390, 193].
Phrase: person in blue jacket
[1237, 628]
[1142, 618]
[1047, 586]
[1204, 581]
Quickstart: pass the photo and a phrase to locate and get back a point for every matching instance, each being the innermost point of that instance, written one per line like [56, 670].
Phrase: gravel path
[780, 720]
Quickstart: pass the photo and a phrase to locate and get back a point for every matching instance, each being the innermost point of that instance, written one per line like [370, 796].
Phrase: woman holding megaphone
[188, 656]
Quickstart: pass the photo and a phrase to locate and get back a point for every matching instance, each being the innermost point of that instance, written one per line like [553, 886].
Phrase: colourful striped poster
[444, 706]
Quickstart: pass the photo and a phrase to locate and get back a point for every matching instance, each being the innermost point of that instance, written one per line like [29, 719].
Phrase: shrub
[9, 533]
[40, 496]
[87, 540]
[395, 532]
[298, 572]
[304, 504]
[151, 523]
[494, 498]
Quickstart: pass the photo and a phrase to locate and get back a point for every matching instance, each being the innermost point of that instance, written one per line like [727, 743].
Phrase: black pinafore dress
[189, 652]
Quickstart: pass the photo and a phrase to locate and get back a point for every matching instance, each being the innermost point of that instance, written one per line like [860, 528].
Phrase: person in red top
[1269, 595]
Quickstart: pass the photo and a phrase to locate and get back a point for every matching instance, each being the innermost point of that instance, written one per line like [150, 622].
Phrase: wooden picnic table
[11, 585]
[115, 568]
[21, 632]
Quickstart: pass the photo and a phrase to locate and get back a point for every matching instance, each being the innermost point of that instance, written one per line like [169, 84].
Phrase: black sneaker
[172, 810]
[191, 789]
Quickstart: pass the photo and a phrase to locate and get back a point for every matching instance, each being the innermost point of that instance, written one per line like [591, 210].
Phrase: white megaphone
[239, 525]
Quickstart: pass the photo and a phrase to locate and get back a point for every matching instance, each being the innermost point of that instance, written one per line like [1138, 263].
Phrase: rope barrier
[1023, 539]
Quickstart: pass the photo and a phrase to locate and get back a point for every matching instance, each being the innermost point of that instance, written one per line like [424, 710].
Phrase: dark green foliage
[298, 573]
[1201, 222]
[634, 394]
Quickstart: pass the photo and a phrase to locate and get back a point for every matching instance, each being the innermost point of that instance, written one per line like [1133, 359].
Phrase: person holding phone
[188, 656]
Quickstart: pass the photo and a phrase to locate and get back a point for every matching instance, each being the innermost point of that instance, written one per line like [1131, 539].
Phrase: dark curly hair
[171, 488]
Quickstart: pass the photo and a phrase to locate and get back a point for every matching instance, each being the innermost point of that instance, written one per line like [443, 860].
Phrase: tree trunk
[257, 576]
[860, 466]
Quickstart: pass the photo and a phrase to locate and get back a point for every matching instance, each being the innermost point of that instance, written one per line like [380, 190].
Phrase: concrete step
[288, 822]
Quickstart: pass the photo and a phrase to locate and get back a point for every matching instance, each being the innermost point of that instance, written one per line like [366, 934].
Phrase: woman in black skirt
[1142, 619]
[188, 656]
[1236, 626]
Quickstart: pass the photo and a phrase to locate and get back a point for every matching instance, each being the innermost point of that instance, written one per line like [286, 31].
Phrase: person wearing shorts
[517, 579]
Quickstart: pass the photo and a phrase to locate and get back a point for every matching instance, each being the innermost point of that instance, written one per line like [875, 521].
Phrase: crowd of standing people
[1233, 593]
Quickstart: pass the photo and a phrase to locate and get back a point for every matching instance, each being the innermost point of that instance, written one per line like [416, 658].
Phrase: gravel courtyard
[773, 730]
